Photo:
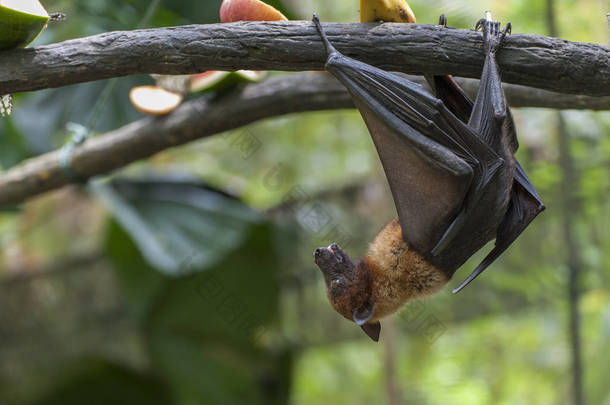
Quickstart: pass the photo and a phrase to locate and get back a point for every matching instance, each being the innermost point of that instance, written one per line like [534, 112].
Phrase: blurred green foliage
[205, 301]
[98, 381]
[206, 333]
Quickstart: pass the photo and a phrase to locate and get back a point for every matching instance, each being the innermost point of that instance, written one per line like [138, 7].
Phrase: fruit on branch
[20, 22]
[160, 99]
[248, 10]
[231, 11]
[216, 80]
[386, 10]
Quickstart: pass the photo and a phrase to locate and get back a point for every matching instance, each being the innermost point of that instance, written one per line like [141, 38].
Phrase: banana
[386, 10]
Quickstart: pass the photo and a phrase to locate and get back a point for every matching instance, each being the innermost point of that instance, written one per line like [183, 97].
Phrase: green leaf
[178, 226]
[208, 333]
[140, 283]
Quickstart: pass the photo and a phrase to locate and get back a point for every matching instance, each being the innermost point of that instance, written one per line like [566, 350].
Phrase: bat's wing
[452, 95]
[525, 205]
[447, 90]
[490, 116]
[492, 120]
[435, 164]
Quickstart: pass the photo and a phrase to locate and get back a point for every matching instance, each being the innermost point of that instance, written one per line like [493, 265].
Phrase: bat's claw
[479, 25]
[493, 35]
[442, 20]
[330, 49]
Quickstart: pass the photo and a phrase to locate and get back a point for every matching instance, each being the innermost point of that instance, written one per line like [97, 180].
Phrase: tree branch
[522, 96]
[201, 118]
[530, 60]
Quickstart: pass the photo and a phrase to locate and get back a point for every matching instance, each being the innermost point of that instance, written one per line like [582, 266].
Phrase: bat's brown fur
[398, 274]
[388, 276]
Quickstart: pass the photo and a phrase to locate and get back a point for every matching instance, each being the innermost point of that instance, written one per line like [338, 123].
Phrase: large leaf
[178, 226]
[208, 333]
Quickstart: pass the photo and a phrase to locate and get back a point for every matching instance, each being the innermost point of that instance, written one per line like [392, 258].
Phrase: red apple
[248, 10]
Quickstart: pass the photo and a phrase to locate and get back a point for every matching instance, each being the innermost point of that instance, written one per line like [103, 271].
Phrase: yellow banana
[386, 10]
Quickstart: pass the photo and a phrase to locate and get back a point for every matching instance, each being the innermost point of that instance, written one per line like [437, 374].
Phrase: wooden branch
[531, 60]
[201, 118]
[523, 96]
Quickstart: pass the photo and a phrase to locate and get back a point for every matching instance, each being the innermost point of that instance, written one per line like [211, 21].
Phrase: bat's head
[348, 286]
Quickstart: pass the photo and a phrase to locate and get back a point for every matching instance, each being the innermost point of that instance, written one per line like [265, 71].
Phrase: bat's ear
[372, 330]
[363, 313]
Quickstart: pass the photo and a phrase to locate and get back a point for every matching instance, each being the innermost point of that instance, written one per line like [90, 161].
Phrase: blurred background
[188, 278]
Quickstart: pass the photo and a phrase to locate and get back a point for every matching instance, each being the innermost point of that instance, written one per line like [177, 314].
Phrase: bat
[454, 179]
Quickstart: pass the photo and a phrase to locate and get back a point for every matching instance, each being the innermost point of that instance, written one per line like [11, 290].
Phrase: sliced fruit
[154, 100]
[248, 10]
[207, 80]
[251, 75]
[20, 22]
[215, 80]
[386, 10]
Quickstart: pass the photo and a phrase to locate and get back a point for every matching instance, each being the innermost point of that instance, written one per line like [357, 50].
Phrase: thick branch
[522, 96]
[530, 60]
[200, 118]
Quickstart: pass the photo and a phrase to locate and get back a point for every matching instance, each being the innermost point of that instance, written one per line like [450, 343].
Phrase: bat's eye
[335, 283]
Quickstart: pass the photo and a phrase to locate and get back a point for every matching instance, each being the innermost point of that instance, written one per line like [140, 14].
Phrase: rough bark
[522, 96]
[531, 60]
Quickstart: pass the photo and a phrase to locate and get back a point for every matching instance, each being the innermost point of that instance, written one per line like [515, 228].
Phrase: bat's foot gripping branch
[330, 49]
[493, 36]
[442, 20]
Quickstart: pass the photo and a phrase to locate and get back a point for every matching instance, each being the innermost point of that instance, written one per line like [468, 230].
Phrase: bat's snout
[332, 260]
[332, 253]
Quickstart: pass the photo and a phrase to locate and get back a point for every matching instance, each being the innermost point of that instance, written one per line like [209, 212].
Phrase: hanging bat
[453, 176]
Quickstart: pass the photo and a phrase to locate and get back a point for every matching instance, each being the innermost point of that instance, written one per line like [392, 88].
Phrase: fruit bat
[454, 179]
